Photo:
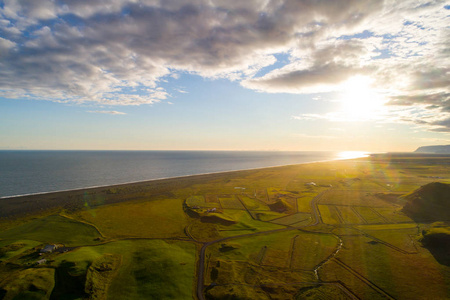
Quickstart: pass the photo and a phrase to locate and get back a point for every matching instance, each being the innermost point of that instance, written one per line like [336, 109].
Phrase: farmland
[254, 234]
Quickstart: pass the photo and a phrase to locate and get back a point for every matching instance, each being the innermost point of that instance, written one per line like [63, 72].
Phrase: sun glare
[352, 154]
[359, 100]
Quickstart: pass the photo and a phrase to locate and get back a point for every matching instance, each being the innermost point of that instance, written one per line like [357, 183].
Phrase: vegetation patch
[31, 283]
[217, 219]
[352, 198]
[369, 215]
[54, 229]
[9, 250]
[100, 275]
[329, 214]
[199, 201]
[150, 269]
[393, 214]
[253, 204]
[304, 202]
[155, 219]
[348, 215]
[310, 249]
[230, 203]
[437, 240]
[292, 219]
[280, 206]
[321, 292]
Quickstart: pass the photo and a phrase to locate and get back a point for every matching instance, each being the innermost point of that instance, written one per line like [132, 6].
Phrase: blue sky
[219, 75]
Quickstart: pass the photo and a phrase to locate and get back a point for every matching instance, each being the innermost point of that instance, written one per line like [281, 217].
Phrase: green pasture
[230, 203]
[244, 222]
[9, 250]
[353, 198]
[304, 201]
[266, 215]
[249, 248]
[348, 215]
[387, 226]
[200, 202]
[311, 248]
[291, 219]
[404, 276]
[32, 283]
[369, 215]
[405, 239]
[393, 215]
[150, 269]
[291, 249]
[253, 204]
[148, 219]
[53, 229]
[329, 214]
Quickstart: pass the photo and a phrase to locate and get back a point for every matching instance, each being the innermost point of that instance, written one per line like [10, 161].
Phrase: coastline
[173, 178]
[74, 199]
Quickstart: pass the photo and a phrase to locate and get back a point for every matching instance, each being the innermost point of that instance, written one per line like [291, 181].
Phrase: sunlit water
[29, 172]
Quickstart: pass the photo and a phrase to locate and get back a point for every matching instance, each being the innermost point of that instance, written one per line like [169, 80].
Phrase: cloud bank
[119, 52]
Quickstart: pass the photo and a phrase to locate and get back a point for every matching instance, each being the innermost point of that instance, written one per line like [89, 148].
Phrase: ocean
[32, 172]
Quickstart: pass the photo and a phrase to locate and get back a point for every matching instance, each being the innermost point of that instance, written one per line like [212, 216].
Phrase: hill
[430, 202]
[437, 240]
[440, 149]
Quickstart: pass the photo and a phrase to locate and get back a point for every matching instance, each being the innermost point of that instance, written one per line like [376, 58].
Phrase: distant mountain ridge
[439, 149]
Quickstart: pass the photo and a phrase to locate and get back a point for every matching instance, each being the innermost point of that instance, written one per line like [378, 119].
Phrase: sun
[359, 100]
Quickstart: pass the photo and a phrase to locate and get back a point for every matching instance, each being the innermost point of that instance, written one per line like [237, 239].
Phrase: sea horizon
[30, 172]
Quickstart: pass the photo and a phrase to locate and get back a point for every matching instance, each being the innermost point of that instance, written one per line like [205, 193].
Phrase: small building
[49, 248]
[311, 184]
[212, 209]
[41, 261]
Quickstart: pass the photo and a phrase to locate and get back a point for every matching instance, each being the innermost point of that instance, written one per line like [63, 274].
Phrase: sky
[303, 75]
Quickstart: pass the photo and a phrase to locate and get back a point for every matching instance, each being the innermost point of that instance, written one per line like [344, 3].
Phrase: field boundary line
[82, 221]
[380, 215]
[245, 207]
[291, 251]
[384, 242]
[338, 213]
[363, 279]
[359, 215]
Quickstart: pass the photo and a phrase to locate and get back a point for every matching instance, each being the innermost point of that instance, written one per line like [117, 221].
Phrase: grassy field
[292, 219]
[53, 229]
[146, 219]
[348, 215]
[253, 204]
[151, 269]
[262, 241]
[329, 214]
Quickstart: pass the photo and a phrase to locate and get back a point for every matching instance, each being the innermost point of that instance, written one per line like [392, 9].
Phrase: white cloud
[118, 52]
[109, 112]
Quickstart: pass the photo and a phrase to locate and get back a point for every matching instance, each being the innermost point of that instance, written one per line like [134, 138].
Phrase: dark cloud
[83, 50]
[435, 99]
[330, 66]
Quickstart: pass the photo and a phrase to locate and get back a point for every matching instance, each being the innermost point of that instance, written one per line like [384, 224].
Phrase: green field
[253, 204]
[148, 269]
[329, 214]
[230, 203]
[369, 215]
[53, 229]
[348, 215]
[255, 234]
[160, 218]
[292, 219]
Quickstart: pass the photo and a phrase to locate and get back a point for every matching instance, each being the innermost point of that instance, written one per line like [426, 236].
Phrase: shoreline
[170, 178]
